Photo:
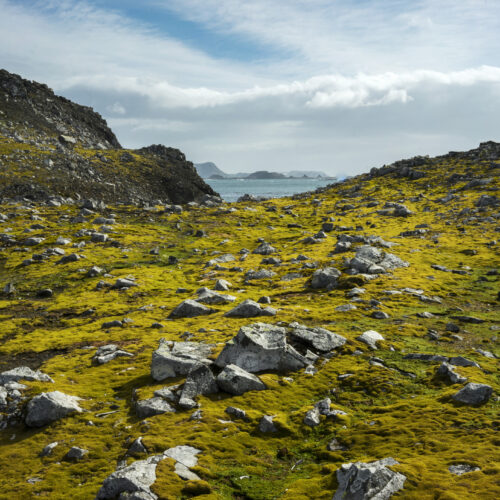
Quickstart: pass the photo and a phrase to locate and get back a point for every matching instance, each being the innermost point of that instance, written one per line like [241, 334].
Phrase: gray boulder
[189, 309]
[137, 477]
[75, 453]
[368, 481]
[264, 249]
[473, 394]
[200, 380]
[370, 338]
[222, 285]
[235, 380]
[172, 359]
[259, 274]
[207, 296]
[250, 309]
[153, 406]
[48, 407]
[266, 424]
[447, 372]
[260, 347]
[325, 278]
[319, 338]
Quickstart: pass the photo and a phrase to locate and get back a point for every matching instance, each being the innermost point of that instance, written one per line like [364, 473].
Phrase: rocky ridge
[54, 149]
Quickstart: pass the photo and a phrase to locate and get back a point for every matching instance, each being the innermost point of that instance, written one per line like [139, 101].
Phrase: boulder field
[339, 344]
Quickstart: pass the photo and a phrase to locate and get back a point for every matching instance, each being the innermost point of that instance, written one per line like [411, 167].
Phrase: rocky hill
[336, 344]
[52, 148]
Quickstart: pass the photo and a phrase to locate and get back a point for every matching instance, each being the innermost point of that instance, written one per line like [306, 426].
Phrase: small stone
[473, 394]
[266, 424]
[75, 453]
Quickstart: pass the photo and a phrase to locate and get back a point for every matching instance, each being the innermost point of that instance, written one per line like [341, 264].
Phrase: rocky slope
[337, 344]
[51, 147]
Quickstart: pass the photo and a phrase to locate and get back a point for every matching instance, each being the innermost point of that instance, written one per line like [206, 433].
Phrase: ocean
[232, 189]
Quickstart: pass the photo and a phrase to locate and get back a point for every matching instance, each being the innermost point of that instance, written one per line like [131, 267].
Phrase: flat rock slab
[319, 338]
[23, 373]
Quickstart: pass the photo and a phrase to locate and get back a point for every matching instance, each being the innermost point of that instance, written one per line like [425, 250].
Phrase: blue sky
[333, 85]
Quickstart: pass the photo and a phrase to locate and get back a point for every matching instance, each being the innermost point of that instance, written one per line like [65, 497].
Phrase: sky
[334, 85]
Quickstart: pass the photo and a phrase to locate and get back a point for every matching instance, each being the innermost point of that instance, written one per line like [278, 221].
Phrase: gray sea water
[232, 189]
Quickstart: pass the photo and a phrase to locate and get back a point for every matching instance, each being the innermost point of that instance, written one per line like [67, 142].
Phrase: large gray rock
[325, 278]
[200, 380]
[260, 347]
[23, 373]
[207, 296]
[189, 309]
[473, 394]
[48, 407]
[319, 338]
[153, 406]
[368, 481]
[250, 309]
[235, 380]
[136, 477]
[172, 359]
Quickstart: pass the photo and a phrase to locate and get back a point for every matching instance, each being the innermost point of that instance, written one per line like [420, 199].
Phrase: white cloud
[339, 85]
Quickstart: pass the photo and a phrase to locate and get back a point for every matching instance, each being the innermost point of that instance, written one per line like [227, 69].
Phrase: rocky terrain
[341, 344]
[52, 148]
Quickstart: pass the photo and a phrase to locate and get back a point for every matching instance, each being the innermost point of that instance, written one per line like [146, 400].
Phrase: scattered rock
[75, 453]
[325, 278]
[200, 380]
[459, 469]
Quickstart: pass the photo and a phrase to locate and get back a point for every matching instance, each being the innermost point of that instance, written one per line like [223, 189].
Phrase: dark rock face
[59, 128]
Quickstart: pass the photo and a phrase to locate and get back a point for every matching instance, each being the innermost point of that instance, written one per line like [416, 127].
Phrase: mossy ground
[389, 413]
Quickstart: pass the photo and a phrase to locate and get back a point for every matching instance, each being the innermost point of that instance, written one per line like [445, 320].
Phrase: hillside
[53, 148]
[371, 332]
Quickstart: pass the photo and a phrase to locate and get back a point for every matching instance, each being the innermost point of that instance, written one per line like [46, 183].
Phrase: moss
[389, 413]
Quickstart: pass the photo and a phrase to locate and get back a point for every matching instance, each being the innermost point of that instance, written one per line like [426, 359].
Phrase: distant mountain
[209, 169]
[264, 174]
[306, 173]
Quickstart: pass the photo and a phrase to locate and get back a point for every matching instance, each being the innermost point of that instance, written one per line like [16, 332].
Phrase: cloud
[329, 91]
[338, 85]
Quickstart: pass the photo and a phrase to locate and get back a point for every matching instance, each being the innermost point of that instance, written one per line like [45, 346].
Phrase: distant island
[210, 170]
